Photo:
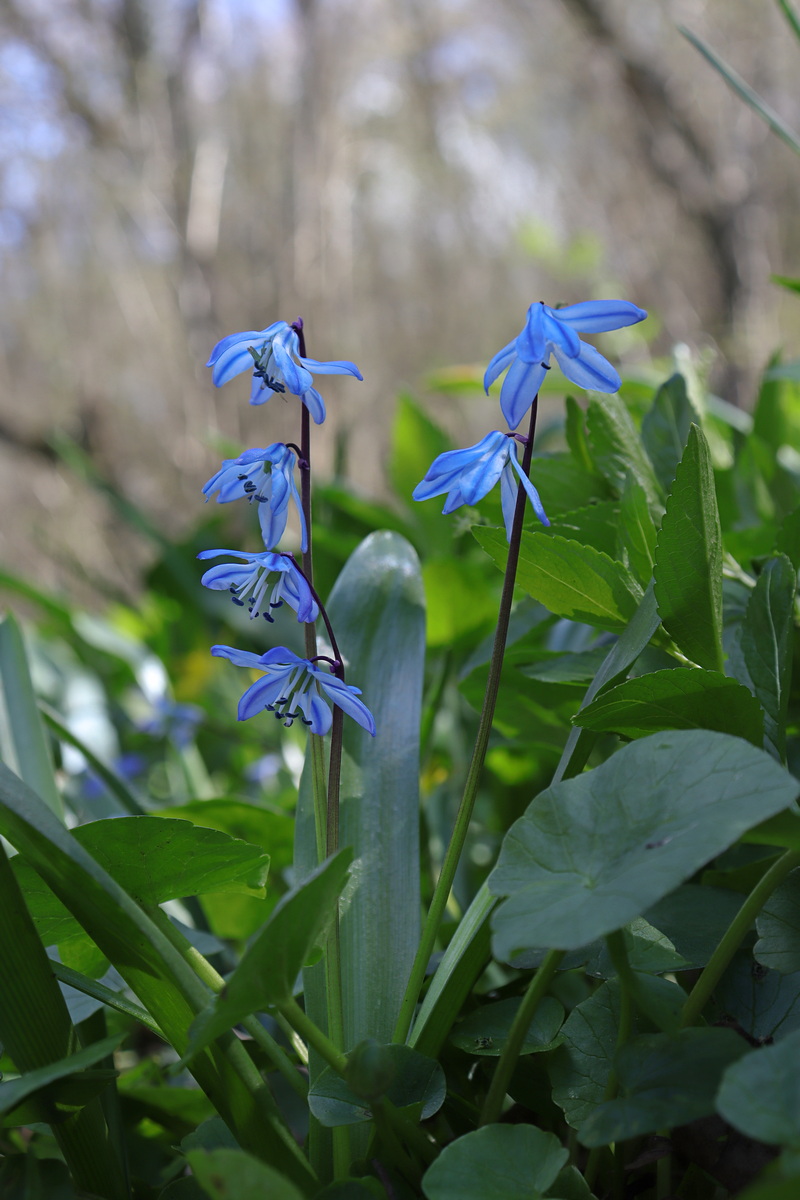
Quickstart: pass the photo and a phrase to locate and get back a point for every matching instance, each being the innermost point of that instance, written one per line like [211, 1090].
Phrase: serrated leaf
[665, 428]
[664, 1080]
[594, 525]
[484, 1032]
[506, 1162]
[688, 566]
[267, 973]
[763, 661]
[676, 699]
[593, 852]
[418, 1081]
[618, 451]
[571, 580]
[778, 926]
[760, 1095]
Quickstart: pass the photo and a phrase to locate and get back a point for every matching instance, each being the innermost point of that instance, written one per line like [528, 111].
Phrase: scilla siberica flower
[555, 331]
[469, 475]
[289, 689]
[273, 355]
[266, 476]
[248, 582]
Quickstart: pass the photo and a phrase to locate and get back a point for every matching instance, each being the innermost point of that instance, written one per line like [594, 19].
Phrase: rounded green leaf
[592, 853]
[779, 928]
[417, 1080]
[234, 1175]
[484, 1032]
[760, 1095]
[504, 1162]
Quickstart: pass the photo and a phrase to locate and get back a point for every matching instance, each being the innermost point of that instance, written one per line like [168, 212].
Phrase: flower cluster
[291, 687]
[466, 476]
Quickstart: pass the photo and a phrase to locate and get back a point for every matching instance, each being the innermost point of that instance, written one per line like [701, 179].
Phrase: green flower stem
[313, 1035]
[734, 935]
[211, 977]
[464, 815]
[507, 1061]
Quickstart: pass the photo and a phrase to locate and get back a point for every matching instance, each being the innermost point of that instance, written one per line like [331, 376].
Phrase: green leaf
[694, 918]
[676, 699]
[595, 525]
[575, 433]
[416, 442]
[788, 540]
[760, 1095]
[636, 533]
[563, 485]
[792, 285]
[592, 853]
[745, 92]
[22, 738]
[765, 1004]
[664, 1080]
[688, 567]
[665, 428]
[764, 658]
[458, 600]
[116, 785]
[579, 1069]
[618, 451]
[571, 580]
[267, 973]
[778, 926]
[418, 1081]
[377, 608]
[504, 1162]
[234, 1175]
[575, 668]
[40, 1081]
[484, 1032]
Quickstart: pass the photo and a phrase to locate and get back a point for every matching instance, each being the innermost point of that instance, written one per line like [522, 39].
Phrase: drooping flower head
[555, 331]
[267, 476]
[290, 688]
[273, 355]
[248, 581]
[469, 475]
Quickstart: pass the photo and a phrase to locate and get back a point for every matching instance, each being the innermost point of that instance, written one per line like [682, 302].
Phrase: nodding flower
[265, 476]
[248, 582]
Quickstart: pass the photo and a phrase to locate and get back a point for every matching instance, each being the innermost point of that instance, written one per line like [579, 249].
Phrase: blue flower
[555, 331]
[273, 355]
[290, 688]
[267, 476]
[248, 582]
[469, 475]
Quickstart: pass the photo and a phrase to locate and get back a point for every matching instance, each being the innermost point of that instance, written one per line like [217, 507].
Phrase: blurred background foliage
[408, 175]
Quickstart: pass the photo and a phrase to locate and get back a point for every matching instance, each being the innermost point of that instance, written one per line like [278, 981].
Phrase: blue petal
[498, 364]
[231, 363]
[559, 333]
[243, 554]
[273, 524]
[241, 658]
[519, 390]
[261, 454]
[339, 366]
[249, 338]
[315, 405]
[532, 342]
[452, 462]
[280, 656]
[315, 710]
[264, 691]
[347, 700]
[589, 369]
[296, 378]
[478, 480]
[226, 575]
[533, 495]
[599, 316]
[509, 489]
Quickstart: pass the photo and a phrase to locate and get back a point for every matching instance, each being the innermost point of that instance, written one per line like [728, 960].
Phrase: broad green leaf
[567, 668]
[575, 433]
[782, 830]
[664, 1080]
[688, 567]
[647, 949]
[570, 1185]
[484, 1032]
[778, 926]
[580, 1067]
[660, 1000]
[416, 442]
[377, 610]
[563, 485]
[745, 92]
[504, 1162]
[458, 600]
[22, 740]
[234, 1175]
[595, 525]
[765, 1003]
[676, 699]
[763, 661]
[665, 428]
[593, 852]
[636, 533]
[760, 1095]
[41, 1081]
[418, 1081]
[571, 580]
[267, 973]
[788, 540]
[618, 452]
[694, 918]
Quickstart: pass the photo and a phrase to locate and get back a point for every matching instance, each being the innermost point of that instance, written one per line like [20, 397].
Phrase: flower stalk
[464, 815]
